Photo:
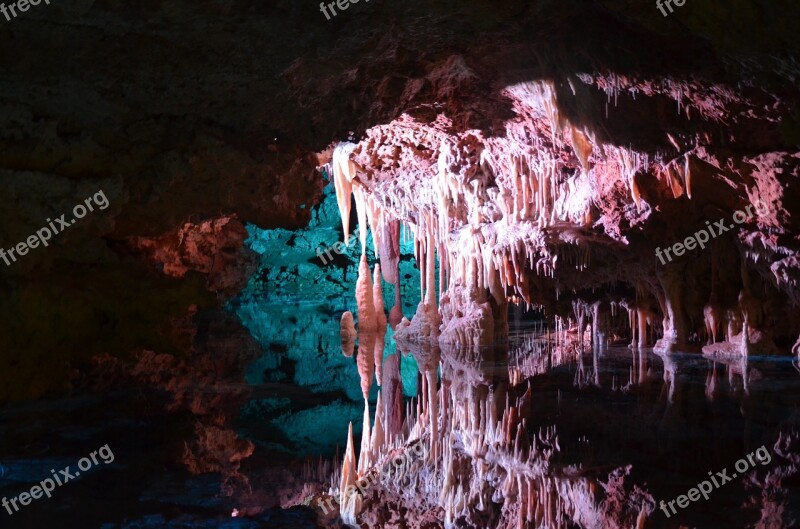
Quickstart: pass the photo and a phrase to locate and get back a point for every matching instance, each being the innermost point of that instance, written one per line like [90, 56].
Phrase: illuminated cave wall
[292, 306]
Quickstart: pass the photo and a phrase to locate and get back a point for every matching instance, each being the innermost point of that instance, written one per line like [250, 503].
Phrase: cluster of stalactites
[641, 323]
[491, 218]
[677, 174]
[369, 213]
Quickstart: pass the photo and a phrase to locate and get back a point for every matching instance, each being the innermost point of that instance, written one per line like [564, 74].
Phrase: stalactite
[582, 146]
[582, 314]
[733, 318]
[361, 209]
[377, 297]
[632, 324]
[367, 321]
[642, 317]
[687, 176]
[380, 345]
[598, 330]
[712, 321]
[430, 269]
[442, 269]
[472, 217]
[366, 360]
[375, 219]
[390, 266]
[344, 170]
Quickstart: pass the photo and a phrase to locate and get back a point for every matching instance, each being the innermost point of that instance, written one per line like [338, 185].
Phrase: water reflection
[548, 420]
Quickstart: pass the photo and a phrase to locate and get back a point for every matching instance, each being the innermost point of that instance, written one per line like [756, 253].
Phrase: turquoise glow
[292, 306]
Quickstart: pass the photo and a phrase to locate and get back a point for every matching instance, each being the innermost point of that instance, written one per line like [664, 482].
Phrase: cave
[406, 265]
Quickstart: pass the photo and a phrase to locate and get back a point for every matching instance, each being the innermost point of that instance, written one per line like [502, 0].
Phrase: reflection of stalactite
[367, 321]
[350, 505]
[671, 378]
[474, 433]
[599, 326]
[380, 346]
[377, 299]
[642, 367]
[390, 267]
[581, 311]
[712, 383]
[392, 389]
[366, 360]
[499, 214]
[347, 333]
